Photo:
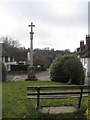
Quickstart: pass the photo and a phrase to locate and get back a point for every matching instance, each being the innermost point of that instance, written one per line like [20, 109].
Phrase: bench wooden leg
[79, 103]
[38, 91]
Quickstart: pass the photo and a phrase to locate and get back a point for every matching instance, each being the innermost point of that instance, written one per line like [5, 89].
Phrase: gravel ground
[41, 76]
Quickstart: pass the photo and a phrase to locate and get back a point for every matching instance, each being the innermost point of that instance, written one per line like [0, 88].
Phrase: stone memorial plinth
[31, 73]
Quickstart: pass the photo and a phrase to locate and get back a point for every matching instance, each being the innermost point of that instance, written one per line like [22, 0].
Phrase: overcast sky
[58, 24]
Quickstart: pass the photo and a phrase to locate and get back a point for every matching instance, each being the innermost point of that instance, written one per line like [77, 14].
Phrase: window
[6, 59]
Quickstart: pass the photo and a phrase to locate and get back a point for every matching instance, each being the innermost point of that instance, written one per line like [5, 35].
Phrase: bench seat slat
[54, 93]
[55, 96]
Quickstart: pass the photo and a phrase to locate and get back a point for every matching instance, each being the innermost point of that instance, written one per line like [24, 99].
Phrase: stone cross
[31, 44]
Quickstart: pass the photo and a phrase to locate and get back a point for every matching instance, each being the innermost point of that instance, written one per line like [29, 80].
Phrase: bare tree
[10, 42]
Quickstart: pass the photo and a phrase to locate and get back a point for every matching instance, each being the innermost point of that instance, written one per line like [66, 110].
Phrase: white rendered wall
[12, 59]
[28, 56]
[88, 66]
[88, 70]
[8, 59]
[4, 59]
[8, 67]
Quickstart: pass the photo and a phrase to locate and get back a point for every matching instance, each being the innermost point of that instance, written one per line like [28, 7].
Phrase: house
[84, 55]
[12, 56]
[6, 58]
[21, 57]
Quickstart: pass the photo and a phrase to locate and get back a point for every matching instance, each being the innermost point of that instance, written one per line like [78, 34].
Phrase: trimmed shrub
[56, 73]
[19, 67]
[73, 69]
[24, 68]
[67, 68]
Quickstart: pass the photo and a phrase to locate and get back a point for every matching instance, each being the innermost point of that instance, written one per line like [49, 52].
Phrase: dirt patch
[58, 110]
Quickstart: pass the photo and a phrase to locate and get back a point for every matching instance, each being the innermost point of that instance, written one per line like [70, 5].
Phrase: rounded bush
[56, 73]
[67, 68]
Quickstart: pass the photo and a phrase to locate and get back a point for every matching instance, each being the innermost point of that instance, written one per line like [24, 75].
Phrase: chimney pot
[81, 43]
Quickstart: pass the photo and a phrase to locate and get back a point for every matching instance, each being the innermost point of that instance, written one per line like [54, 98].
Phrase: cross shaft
[31, 45]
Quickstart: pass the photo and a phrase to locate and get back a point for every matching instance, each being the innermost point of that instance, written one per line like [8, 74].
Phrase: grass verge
[16, 105]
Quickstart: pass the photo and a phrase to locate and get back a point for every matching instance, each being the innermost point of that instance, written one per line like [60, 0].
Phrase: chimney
[88, 41]
[81, 43]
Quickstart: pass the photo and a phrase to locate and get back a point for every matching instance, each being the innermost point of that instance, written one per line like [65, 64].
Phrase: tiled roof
[18, 55]
[21, 56]
[84, 50]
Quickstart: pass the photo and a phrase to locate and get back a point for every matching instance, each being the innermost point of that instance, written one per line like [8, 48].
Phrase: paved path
[58, 110]
[41, 76]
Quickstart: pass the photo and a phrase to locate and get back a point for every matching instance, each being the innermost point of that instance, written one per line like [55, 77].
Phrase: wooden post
[38, 91]
[79, 103]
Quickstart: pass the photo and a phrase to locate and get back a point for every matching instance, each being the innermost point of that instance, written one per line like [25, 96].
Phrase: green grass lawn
[16, 105]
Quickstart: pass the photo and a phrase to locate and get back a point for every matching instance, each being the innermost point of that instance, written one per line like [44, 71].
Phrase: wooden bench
[54, 92]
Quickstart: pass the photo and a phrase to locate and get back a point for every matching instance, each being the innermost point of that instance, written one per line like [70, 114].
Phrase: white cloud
[44, 0]
[58, 25]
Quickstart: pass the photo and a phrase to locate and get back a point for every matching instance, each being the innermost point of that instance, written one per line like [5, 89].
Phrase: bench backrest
[62, 91]
[58, 87]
